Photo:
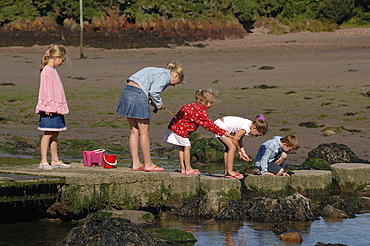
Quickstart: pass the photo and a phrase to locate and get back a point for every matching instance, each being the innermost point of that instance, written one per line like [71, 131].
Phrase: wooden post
[81, 32]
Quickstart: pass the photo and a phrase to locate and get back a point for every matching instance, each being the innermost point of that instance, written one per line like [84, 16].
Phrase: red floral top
[190, 117]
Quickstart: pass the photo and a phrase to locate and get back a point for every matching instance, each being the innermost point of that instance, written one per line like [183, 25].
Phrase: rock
[335, 153]
[329, 133]
[207, 150]
[339, 207]
[109, 231]
[206, 207]
[279, 228]
[310, 124]
[291, 237]
[139, 218]
[330, 244]
[295, 207]
[331, 212]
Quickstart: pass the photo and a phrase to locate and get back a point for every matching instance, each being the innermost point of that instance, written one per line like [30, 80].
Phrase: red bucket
[109, 161]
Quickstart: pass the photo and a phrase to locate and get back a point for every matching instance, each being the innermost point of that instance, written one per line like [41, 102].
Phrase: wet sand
[316, 77]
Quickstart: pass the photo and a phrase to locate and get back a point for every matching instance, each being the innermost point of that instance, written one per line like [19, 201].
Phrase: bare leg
[187, 164]
[144, 133]
[229, 155]
[282, 158]
[44, 145]
[54, 147]
[182, 158]
[134, 143]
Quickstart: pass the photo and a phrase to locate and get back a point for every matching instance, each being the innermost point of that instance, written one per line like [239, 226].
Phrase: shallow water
[353, 232]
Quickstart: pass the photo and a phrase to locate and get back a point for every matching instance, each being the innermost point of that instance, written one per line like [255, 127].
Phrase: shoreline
[327, 73]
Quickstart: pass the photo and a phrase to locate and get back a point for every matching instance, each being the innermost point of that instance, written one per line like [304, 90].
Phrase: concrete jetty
[126, 189]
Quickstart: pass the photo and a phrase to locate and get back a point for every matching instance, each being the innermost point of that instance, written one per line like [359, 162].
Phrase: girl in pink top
[51, 105]
[238, 127]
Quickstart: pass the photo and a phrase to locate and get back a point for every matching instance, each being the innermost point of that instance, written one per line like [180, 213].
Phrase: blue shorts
[133, 103]
[273, 168]
[53, 123]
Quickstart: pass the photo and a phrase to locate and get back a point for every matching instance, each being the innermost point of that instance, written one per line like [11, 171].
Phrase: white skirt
[175, 139]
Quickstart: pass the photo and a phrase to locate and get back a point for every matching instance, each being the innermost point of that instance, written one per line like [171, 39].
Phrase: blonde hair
[261, 124]
[206, 96]
[290, 141]
[54, 50]
[175, 67]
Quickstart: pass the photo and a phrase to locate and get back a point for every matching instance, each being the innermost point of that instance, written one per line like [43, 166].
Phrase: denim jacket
[267, 153]
[152, 81]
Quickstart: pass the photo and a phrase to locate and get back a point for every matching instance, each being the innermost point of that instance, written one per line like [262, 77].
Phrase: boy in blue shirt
[272, 154]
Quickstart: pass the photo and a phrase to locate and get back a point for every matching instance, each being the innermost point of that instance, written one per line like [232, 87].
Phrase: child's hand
[227, 134]
[244, 156]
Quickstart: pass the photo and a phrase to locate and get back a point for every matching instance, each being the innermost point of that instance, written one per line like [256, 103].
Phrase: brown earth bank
[314, 85]
[44, 31]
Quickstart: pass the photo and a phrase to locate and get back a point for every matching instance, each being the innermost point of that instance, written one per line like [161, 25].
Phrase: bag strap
[99, 150]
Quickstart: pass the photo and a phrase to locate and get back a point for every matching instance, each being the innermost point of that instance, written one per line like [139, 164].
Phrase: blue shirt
[267, 153]
[152, 81]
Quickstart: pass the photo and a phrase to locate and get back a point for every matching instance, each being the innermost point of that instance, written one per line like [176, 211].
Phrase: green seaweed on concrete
[318, 193]
[318, 164]
[232, 194]
[35, 197]
[167, 191]
[130, 202]
[97, 199]
[254, 191]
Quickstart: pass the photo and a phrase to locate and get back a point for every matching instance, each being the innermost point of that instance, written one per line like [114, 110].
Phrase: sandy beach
[308, 77]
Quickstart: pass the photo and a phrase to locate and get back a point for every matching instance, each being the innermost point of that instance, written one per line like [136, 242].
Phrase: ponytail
[261, 124]
[175, 67]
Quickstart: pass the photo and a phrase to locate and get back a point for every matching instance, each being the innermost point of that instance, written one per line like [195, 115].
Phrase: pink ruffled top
[52, 98]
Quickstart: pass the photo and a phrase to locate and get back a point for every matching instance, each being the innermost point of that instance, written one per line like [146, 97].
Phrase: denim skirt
[133, 103]
[53, 123]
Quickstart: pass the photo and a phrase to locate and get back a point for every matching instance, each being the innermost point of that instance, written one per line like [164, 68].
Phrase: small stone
[291, 237]
[329, 133]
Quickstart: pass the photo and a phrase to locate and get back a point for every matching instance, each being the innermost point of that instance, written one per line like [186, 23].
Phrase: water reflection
[33, 233]
[354, 232]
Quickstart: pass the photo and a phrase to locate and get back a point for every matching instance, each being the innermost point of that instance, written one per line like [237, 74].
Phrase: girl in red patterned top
[186, 122]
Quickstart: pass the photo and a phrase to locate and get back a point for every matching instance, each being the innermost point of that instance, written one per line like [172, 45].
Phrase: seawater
[352, 232]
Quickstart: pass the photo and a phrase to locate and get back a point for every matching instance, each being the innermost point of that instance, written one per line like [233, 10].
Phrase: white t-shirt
[233, 124]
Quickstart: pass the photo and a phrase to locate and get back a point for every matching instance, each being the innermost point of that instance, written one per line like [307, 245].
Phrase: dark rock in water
[279, 228]
[349, 206]
[330, 244]
[335, 153]
[295, 207]
[109, 231]
[331, 212]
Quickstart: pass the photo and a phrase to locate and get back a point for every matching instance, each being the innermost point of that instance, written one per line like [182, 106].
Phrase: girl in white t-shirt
[238, 127]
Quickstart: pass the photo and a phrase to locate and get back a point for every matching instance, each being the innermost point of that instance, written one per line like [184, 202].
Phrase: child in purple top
[238, 127]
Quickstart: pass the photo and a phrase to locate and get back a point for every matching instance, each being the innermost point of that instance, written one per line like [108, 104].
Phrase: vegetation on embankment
[140, 23]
